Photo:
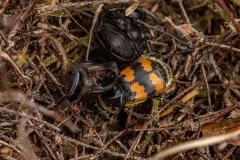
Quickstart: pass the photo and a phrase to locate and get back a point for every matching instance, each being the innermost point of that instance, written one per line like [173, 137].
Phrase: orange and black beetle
[146, 77]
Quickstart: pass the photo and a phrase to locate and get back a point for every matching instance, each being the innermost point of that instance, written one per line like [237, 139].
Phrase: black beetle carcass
[121, 38]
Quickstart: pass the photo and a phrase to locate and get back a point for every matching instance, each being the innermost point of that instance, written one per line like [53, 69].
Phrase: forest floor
[196, 117]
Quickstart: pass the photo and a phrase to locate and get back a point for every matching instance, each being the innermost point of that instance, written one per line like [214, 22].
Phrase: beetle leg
[149, 48]
[114, 100]
[86, 84]
[74, 83]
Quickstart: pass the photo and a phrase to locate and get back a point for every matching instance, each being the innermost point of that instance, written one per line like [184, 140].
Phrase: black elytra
[119, 37]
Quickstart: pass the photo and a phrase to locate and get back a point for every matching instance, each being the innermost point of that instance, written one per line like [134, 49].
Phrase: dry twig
[202, 142]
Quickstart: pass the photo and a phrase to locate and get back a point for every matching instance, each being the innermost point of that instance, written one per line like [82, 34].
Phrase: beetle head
[93, 78]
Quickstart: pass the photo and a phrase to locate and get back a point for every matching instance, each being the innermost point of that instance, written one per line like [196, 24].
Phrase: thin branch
[183, 11]
[202, 142]
[223, 46]
[7, 58]
[223, 5]
[207, 86]
[97, 13]
[51, 8]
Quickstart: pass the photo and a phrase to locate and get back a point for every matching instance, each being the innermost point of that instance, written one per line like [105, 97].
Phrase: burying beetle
[120, 37]
[134, 84]
[146, 77]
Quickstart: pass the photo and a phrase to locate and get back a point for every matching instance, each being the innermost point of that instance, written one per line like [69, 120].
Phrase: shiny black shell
[119, 37]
